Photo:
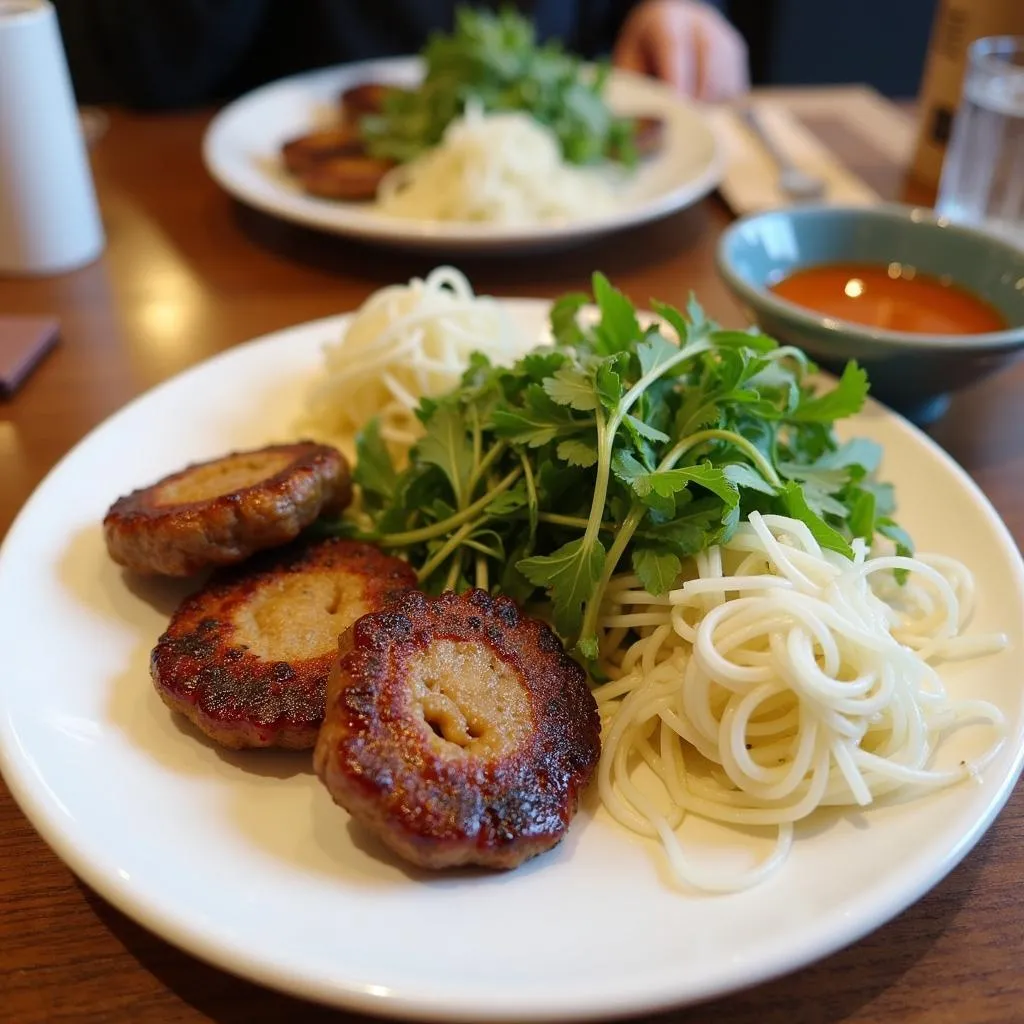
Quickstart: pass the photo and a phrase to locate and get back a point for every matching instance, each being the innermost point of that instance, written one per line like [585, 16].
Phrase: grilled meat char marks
[458, 730]
[222, 511]
[247, 657]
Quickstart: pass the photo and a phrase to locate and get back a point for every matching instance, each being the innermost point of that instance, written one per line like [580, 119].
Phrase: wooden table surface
[188, 273]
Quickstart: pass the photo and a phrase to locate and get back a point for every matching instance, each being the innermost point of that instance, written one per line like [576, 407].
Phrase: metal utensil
[794, 183]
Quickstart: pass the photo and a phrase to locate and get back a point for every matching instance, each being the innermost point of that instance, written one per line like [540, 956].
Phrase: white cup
[49, 219]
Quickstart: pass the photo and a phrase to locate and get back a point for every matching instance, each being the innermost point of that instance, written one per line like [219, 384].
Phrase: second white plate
[242, 145]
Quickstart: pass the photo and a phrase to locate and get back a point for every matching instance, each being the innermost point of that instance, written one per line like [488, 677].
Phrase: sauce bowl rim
[755, 295]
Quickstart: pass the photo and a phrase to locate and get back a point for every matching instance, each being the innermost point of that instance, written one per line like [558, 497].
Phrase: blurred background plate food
[243, 141]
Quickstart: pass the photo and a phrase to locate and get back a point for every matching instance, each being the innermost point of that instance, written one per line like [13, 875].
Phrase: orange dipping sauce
[893, 298]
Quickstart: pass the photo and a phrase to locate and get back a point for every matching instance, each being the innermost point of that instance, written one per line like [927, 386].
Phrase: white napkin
[751, 176]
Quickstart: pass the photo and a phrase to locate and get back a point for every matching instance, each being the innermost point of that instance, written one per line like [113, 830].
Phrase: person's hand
[687, 44]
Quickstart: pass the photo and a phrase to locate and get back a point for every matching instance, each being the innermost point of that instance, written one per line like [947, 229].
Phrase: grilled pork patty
[458, 730]
[246, 658]
[222, 511]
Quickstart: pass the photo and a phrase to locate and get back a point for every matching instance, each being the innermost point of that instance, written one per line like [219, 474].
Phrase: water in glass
[983, 177]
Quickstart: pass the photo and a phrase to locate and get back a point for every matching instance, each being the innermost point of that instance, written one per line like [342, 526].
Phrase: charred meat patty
[247, 657]
[302, 153]
[458, 730]
[222, 511]
[333, 163]
[350, 177]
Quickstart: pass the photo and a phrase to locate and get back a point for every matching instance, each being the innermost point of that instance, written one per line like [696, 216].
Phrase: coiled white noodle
[406, 342]
[499, 168]
[778, 679]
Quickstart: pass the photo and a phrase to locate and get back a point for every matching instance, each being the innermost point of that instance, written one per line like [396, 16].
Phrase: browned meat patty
[304, 152]
[347, 178]
[220, 512]
[368, 98]
[247, 657]
[458, 730]
[650, 135]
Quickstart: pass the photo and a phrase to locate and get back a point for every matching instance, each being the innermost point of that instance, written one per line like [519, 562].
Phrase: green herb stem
[615, 553]
[606, 433]
[766, 469]
[604, 469]
[440, 528]
[484, 464]
[555, 519]
[446, 549]
[532, 501]
[477, 447]
[624, 534]
[453, 572]
[629, 398]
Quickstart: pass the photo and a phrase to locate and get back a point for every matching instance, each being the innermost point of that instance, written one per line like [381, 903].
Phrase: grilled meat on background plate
[302, 153]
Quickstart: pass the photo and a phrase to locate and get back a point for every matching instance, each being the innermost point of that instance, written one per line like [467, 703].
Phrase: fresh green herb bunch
[494, 60]
[616, 448]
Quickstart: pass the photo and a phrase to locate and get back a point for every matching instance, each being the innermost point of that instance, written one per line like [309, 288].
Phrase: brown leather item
[24, 340]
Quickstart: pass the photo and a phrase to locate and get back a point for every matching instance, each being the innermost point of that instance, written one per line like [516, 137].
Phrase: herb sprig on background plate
[619, 446]
[495, 61]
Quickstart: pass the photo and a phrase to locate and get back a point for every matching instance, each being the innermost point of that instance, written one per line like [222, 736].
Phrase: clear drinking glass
[983, 175]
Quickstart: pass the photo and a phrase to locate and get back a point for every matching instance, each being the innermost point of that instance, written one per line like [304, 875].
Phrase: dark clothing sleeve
[157, 53]
[177, 53]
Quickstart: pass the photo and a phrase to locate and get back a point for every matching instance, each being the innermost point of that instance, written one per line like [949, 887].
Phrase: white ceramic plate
[244, 860]
[242, 144]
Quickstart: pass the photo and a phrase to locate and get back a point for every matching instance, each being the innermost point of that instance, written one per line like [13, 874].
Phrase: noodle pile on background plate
[777, 678]
[501, 168]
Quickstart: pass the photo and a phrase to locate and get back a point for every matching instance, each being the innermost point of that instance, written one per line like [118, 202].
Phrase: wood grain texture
[188, 273]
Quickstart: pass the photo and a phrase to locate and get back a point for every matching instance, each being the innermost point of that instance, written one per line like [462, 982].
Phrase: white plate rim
[786, 959]
[454, 237]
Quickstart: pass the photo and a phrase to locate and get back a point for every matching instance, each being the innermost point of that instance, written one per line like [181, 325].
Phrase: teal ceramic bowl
[912, 373]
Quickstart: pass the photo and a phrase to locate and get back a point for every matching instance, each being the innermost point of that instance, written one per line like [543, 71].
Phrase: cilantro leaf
[742, 475]
[564, 325]
[894, 532]
[619, 328]
[577, 452]
[568, 575]
[645, 430]
[743, 340]
[537, 365]
[608, 384]
[858, 452]
[655, 351]
[695, 311]
[507, 503]
[666, 482]
[828, 537]
[673, 318]
[658, 570]
[448, 446]
[572, 387]
[374, 472]
[536, 423]
[698, 528]
[845, 399]
[862, 515]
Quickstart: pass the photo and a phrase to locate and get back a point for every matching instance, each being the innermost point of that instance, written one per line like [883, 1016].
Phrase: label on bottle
[957, 24]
